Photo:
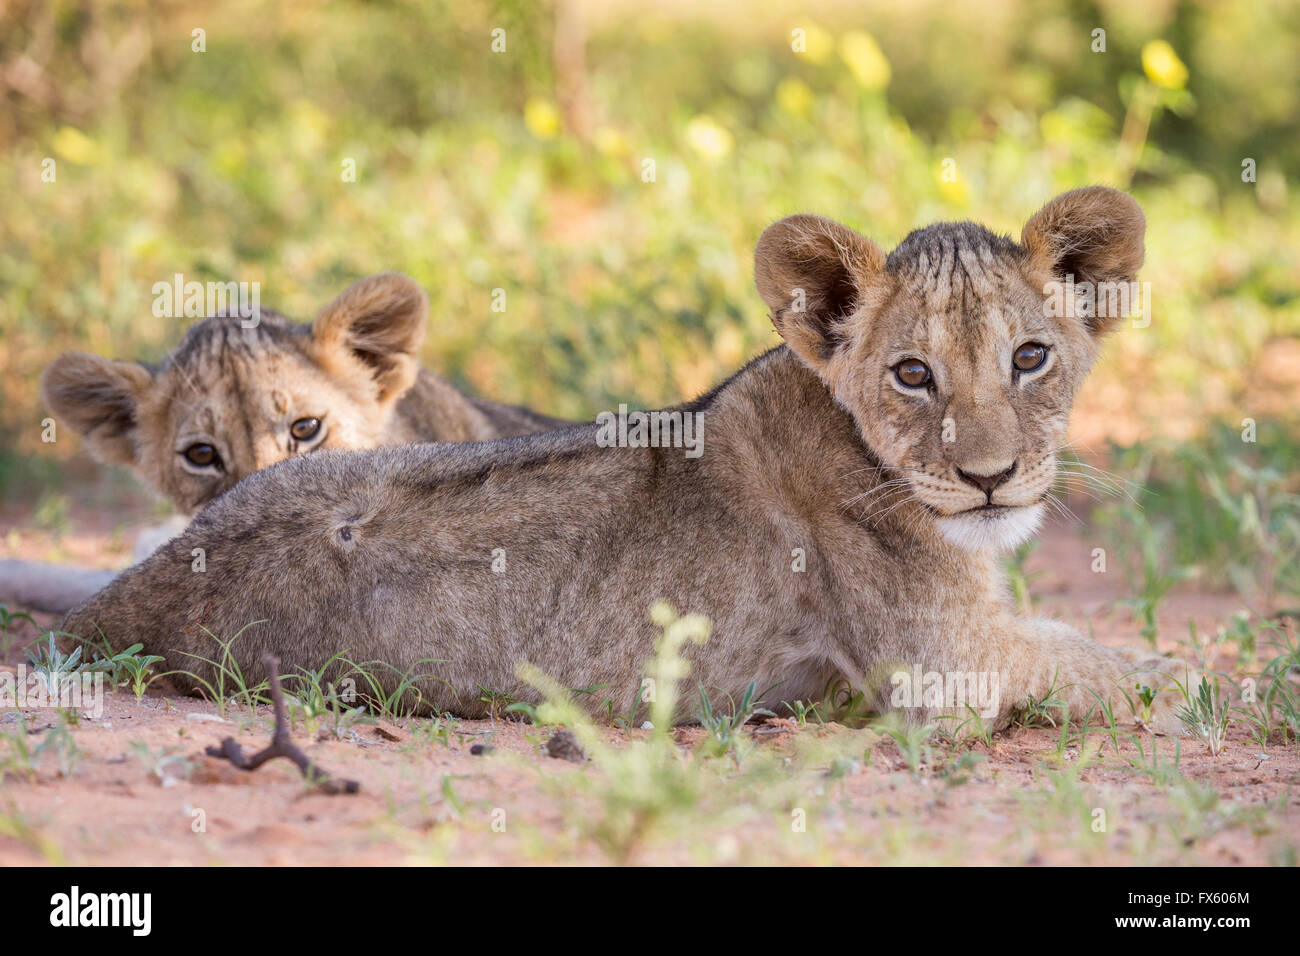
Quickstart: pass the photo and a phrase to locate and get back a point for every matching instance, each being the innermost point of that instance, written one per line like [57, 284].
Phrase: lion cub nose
[987, 483]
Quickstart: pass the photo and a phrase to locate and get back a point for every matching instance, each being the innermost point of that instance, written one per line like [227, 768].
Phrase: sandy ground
[138, 787]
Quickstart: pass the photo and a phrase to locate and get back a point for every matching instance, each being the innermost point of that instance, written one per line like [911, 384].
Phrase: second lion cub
[231, 400]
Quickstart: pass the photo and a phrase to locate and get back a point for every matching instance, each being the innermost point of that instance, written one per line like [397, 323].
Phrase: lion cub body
[811, 531]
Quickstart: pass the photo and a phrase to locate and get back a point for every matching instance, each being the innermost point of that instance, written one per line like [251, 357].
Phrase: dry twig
[281, 745]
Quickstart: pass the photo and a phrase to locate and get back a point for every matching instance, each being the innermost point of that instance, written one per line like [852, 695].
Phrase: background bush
[522, 170]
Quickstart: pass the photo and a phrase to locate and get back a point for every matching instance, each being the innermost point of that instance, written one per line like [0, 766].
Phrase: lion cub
[231, 400]
[844, 520]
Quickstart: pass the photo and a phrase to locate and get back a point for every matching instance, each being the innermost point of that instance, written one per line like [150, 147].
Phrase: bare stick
[281, 745]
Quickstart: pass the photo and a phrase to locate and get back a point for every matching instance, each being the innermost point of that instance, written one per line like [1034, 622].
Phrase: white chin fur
[981, 531]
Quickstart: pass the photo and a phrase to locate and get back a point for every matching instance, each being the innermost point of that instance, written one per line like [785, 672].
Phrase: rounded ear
[1091, 235]
[811, 272]
[97, 398]
[379, 321]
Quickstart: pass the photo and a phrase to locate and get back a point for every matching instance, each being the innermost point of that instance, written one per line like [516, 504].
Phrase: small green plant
[1038, 712]
[1109, 727]
[1161, 773]
[911, 739]
[18, 754]
[1155, 578]
[959, 770]
[436, 730]
[801, 711]
[974, 727]
[398, 697]
[1146, 697]
[168, 766]
[1205, 714]
[314, 697]
[1270, 703]
[626, 721]
[845, 704]
[59, 746]
[725, 730]
[136, 668]
[52, 665]
[229, 684]
[125, 668]
[498, 703]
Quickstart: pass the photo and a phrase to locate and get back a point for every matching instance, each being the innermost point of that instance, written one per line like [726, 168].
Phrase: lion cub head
[232, 400]
[946, 352]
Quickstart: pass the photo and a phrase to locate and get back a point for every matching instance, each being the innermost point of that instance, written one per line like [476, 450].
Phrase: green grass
[1204, 714]
[1218, 508]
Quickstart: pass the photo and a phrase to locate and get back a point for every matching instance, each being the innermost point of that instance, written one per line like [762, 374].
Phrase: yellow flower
[954, 191]
[1162, 65]
[816, 42]
[609, 141]
[707, 138]
[542, 118]
[794, 97]
[76, 147]
[865, 59]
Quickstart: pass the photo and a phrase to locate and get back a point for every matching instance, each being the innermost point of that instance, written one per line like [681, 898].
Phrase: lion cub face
[232, 400]
[959, 377]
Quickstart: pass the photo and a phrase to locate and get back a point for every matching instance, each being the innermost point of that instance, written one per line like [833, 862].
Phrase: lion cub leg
[1081, 674]
[1040, 660]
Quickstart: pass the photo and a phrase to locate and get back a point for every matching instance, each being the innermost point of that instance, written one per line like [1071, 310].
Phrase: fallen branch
[281, 745]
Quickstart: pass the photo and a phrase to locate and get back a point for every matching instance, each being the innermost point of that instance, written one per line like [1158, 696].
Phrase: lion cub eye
[912, 373]
[1030, 357]
[305, 429]
[203, 455]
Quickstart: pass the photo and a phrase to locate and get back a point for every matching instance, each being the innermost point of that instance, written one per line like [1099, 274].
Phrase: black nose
[987, 483]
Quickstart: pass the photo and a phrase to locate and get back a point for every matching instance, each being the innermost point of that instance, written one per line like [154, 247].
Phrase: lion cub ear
[379, 321]
[1094, 235]
[97, 398]
[811, 272]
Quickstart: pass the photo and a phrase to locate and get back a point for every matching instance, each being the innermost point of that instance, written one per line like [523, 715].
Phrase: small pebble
[564, 746]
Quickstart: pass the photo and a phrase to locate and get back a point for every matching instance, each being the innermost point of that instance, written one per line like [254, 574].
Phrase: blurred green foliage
[1223, 507]
[525, 170]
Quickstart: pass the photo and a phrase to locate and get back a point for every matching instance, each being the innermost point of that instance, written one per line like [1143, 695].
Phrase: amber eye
[1030, 357]
[912, 373]
[305, 429]
[203, 455]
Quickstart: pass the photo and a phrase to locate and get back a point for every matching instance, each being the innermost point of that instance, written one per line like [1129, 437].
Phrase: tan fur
[811, 449]
[240, 390]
